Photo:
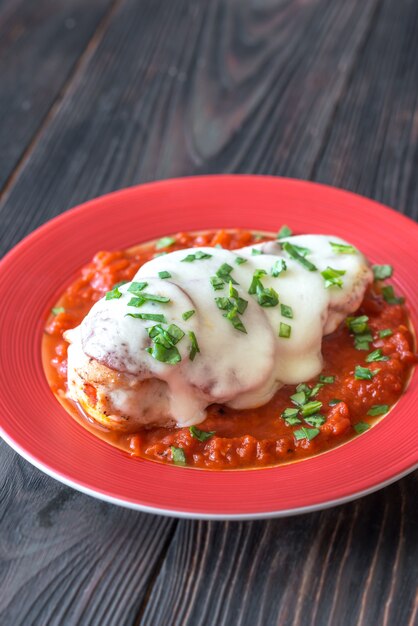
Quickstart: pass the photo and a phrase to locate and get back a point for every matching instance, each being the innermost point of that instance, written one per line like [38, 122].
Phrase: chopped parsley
[285, 231]
[381, 272]
[217, 283]
[154, 317]
[194, 346]
[136, 287]
[224, 273]
[278, 267]
[388, 294]
[306, 433]
[240, 260]
[234, 306]
[188, 314]
[310, 408]
[143, 297]
[299, 398]
[266, 296]
[164, 343]
[56, 310]
[361, 427]
[298, 254]
[364, 373]
[341, 248]
[332, 277]
[164, 242]
[286, 311]
[179, 458]
[378, 409]
[328, 380]
[201, 435]
[387, 332]
[114, 294]
[362, 342]
[285, 330]
[315, 420]
[256, 251]
[199, 255]
[164, 274]
[357, 325]
[376, 355]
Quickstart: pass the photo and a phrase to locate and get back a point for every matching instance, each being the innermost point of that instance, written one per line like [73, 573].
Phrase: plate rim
[67, 215]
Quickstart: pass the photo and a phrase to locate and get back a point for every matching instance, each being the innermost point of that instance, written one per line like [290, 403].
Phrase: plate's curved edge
[127, 504]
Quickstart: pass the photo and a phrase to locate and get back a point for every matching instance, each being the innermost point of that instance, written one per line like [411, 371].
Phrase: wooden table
[100, 94]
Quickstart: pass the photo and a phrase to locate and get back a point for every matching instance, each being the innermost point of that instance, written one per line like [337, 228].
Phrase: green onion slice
[341, 248]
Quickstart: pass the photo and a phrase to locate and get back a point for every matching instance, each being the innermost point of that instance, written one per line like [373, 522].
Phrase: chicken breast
[208, 325]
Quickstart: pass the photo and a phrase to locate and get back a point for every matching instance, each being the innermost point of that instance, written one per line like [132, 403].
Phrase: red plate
[39, 268]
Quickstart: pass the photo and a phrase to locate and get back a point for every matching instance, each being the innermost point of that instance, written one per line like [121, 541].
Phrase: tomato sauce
[257, 437]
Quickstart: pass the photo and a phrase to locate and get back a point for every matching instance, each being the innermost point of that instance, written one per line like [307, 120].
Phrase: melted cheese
[233, 368]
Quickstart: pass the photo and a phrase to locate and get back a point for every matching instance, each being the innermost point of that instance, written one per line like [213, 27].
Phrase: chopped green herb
[179, 458]
[364, 373]
[362, 342]
[199, 255]
[266, 296]
[378, 409]
[315, 389]
[166, 355]
[376, 355]
[114, 294]
[294, 253]
[240, 260]
[358, 325]
[341, 248]
[164, 242]
[334, 401]
[256, 251]
[310, 408]
[142, 297]
[299, 398]
[328, 380]
[285, 330]
[224, 272]
[361, 427]
[235, 320]
[290, 412]
[155, 317]
[305, 388]
[136, 301]
[120, 283]
[256, 281]
[218, 245]
[194, 347]
[286, 311]
[315, 420]
[278, 267]
[388, 294]
[387, 332]
[201, 435]
[164, 274]
[217, 283]
[333, 277]
[136, 287]
[306, 433]
[285, 231]
[188, 314]
[175, 333]
[381, 272]
[56, 310]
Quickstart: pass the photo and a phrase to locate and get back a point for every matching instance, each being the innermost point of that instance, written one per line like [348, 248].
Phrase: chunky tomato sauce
[257, 437]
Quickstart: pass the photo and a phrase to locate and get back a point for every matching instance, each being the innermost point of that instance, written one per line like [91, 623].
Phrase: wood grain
[40, 45]
[323, 89]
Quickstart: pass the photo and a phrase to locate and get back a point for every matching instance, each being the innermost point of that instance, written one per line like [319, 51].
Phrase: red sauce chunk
[366, 368]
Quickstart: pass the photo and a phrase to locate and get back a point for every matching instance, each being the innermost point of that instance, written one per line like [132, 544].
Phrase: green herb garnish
[341, 248]
[381, 272]
[290, 416]
[362, 342]
[56, 310]
[299, 398]
[315, 420]
[164, 274]
[295, 253]
[199, 255]
[194, 346]
[286, 311]
[240, 260]
[361, 427]
[357, 325]
[285, 330]
[333, 277]
[179, 458]
[217, 283]
[378, 409]
[364, 373]
[376, 355]
[154, 317]
[328, 380]
[256, 251]
[201, 435]
[188, 314]
[278, 267]
[310, 408]
[285, 231]
[114, 294]
[224, 273]
[165, 242]
[388, 294]
[306, 433]
[136, 287]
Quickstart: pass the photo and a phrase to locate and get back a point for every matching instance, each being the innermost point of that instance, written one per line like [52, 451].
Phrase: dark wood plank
[67, 558]
[338, 568]
[188, 88]
[373, 141]
[40, 44]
